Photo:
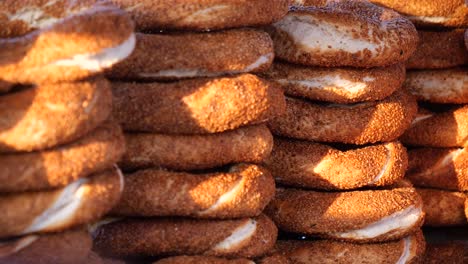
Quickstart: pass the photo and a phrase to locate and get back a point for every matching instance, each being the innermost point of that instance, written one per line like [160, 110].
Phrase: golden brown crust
[337, 85]
[175, 236]
[344, 33]
[325, 251]
[443, 208]
[83, 27]
[312, 165]
[203, 15]
[188, 55]
[431, 13]
[445, 253]
[69, 247]
[439, 49]
[361, 123]
[189, 152]
[445, 129]
[97, 151]
[50, 115]
[448, 86]
[243, 191]
[87, 201]
[328, 214]
[202, 260]
[442, 168]
[466, 208]
[197, 106]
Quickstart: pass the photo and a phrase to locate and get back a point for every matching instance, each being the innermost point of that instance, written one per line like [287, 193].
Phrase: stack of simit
[194, 115]
[58, 149]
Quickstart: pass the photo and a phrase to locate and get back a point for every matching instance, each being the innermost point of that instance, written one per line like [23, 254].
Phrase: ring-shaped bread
[197, 106]
[68, 247]
[193, 55]
[344, 33]
[444, 129]
[305, 164]
[54, 41]
[407, 250]
[439, 49]
[235, 238]
[444, 86]
[81, 202]
[441, 168]
[193, 152]
[242, 191]
[355, 216]
[337, 85]
[59, 166]
[361, 123]
[202, 15]
[52, 114]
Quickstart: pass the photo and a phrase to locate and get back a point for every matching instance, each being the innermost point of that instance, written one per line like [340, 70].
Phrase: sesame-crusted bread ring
[237, 238]
[190, 55]
[52, 114]
[202, 259]
[431, 13]
[408, 250]
[438, 129]
[441, 168]
[69, 247]
[242, 191]
[445, 86]
[81, 202]
[356, 216]
[361, 123]
[312, 165]
[53, 41]
[202, 15]
[337, 85]
[197, 106]
[443, 208]
[344, 33]
[439, 49]
[59, 166]
[193, 152]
